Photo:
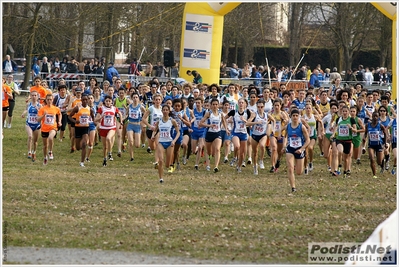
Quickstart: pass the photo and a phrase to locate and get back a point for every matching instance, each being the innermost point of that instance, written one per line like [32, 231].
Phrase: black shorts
[148, 133]
[210, 136]
[258, 137]
[291, 150]
[6, 108]
[377, 148]
[347, 144]
[186, 132]
[393, 145]
[46, 134]
[70, 122]
[80, 131]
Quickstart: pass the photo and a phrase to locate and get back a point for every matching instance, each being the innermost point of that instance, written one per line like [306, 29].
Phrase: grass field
[224, 216]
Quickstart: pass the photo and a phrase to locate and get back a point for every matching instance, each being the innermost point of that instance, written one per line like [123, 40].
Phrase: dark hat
[335, 69]
[112, 63]
[78, 89]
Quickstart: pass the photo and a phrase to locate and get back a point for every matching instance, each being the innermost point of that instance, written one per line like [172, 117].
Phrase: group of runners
[248, 122]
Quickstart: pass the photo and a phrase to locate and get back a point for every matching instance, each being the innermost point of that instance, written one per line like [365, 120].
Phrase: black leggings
[11, 108]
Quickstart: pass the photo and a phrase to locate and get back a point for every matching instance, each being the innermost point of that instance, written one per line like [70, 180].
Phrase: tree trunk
[294, 29]
[31, 44]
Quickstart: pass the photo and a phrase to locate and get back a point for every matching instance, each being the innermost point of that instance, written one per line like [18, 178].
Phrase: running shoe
[155, 165]
[178, 166]
[161, 180]
[184, 160]
[306, 171]
[310, 166]
[33, 157]
[50, 155]
[104, 162]
[196, 167]
[225, 160]
[329, 168]
[358, 162]
[321, 154]
[143, 145]
[261, 165]
[110, 158]
[124, 147]
[216, 169]
[374, 176]
[239, 170]
[335, 173]
[45, 161]
[119, 154]
[131, 159]
[171, 169]
[363, 150]
[278, 164]
[387, 165]
[255, 170]
[243, 164]
[29, 155]
[269, 152]
[348, 173]
[249, 162]
[208, 168]
[232, 162]
[87, 160]
[72, 150]
[293, 190]
[393, 172]
[149, 150]
[382, 166]
[9, 126]
[272, 169]
[82, 164]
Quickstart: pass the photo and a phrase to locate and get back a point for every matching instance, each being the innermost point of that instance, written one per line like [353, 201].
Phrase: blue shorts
[165, 144]
[241, 136]
[34, 127]
[280, 141]
[136, 128]
[92, 127]
[292, 150]
[180, 139]
[258, 137]
[195, 135]
[224, 135]
[211, 136]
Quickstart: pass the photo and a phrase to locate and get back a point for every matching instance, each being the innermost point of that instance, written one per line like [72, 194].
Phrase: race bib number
[374, 136]
[32, 119]
[84, 120]
[49, 120]
[295, 142]
[164, 133]
[133, 114]
[196, 123]
[109, 120]
[241, 125]
[155, 120]
[215, 126]
[343, 130]
[123, 111]
[277, 126]
[259, 128]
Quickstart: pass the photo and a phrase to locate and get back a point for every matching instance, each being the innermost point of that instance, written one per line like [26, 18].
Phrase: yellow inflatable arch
[202, 32]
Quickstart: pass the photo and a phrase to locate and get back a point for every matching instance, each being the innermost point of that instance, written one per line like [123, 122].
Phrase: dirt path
[69, 256]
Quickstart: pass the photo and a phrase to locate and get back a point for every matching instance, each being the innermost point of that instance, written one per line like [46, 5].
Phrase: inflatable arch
[202, 32]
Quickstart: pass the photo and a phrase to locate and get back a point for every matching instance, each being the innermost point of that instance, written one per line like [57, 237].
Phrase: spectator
[45, 67]
[149, 69]
[234, 71]
[334, 74]
[314, 79]
[135, 67]
[326, 76]
[197, 77]
[35, 69]
[111, 72]
[301, 74]
[9, 65]
[160, 70]
[368, 76]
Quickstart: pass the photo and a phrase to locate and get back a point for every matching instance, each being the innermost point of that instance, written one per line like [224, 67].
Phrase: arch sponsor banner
[198, 41]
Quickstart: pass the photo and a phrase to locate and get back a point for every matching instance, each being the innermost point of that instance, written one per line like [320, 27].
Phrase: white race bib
[295, 142]
[109, 120]
[49, 119]
[32, 119]
[343, 130]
